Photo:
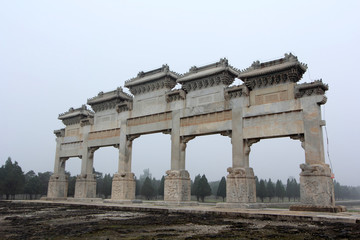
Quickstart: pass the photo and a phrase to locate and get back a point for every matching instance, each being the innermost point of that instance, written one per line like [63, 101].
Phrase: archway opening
[151, 157]
[209, 155]
[105, 165]
[72, 169]
[277, 159]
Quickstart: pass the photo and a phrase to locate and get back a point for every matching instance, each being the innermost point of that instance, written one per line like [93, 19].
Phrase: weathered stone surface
[85, 186]
[123, 186]
[270, 103]
[177, 186]
[240, 186]
[316, 185]
[58, 186]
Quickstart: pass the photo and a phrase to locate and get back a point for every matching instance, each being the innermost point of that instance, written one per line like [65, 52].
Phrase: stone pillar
[85, 186]
[58, 183]
[240, 185]
[316, 184]
[123, 185]
[177, 182]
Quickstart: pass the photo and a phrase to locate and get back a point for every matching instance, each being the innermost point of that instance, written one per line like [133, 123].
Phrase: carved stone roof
[73, 116]
[314, 88]
[208, 70]
[286, 69]
[109, 100]
[108, 96]
[257, 68]
[152, 80]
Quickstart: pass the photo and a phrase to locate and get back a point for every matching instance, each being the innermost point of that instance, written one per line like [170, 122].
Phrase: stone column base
[123, 186]
[177, 186]
[58, 187]
[316, 185]
[85, 186]
[240, 186]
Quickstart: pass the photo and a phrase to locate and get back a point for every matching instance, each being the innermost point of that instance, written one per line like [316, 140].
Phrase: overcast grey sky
[56, 54]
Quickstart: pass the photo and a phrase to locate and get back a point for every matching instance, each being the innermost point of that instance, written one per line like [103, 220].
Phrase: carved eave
[60, 132]
[161, 78]
[308, 89]
[124, 106]
[175, 95]
[74, 116]
[87, 121]
[108, 100]
[236, 91]
[207, 76]
[286, 69]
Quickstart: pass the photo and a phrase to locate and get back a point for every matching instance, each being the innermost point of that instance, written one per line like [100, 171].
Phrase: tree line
[14, 181]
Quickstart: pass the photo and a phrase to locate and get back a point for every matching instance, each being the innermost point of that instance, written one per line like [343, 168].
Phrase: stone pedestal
[177, 186]
[316, 185]
[58, 186]
[123, 186]
[240, 186]
[85, 186]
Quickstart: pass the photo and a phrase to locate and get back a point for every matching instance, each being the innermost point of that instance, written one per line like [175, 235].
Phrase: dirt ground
[56, 221]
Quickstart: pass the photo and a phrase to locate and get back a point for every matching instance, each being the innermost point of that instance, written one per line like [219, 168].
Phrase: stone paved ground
[63, 220]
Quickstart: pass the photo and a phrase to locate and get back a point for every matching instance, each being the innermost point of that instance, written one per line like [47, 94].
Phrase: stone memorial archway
[268, 104]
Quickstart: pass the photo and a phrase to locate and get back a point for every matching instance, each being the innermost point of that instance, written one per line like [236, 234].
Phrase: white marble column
[58, 182]
[240, 185]
[123, 185]
[177, 181]
[85, 186]
[316, 184]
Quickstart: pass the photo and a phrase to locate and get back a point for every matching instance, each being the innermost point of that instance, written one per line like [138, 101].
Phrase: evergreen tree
[32, 184]
[270, 189]
[292, 188]
[257, 184]
[147, 189]
[289, 189]
[337, 189]
[280, 190]
[12, 178]
[44, 181]
[138, 186]
[195, 188]
[204, 188]
[262, 190]
[161, 186]
[221, 192]
[107, 184]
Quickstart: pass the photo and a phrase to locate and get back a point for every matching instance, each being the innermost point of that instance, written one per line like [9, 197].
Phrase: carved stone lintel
[60, 132]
